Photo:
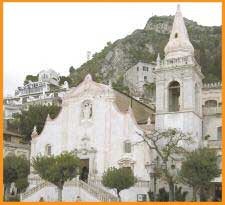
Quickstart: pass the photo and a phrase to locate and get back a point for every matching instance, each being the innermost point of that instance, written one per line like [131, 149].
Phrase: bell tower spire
[179, 44]
[179, 84]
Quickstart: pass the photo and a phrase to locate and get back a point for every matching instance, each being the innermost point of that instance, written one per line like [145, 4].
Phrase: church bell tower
[179, 84]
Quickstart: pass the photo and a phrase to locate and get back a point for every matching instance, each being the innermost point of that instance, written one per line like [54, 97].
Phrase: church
[103, 126]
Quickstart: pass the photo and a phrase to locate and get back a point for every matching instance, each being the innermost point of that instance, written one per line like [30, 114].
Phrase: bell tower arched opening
[174, 96]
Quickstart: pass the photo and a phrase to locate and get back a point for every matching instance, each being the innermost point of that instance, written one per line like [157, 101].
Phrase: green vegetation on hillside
[143, 45]
[32, 78]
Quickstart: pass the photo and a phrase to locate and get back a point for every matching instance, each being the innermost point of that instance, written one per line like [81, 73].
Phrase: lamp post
[172, 172]
[78, 173]
[151, 169]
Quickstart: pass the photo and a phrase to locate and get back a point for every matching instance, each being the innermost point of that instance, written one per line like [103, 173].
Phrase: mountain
[144, 45]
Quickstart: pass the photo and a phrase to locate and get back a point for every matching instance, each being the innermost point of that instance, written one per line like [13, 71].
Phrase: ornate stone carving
[34, 132]
[126, 162]
[87, 110]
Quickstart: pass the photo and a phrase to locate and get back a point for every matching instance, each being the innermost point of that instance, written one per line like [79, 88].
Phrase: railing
[96, 191]
[139, 183]
[99, 193]
[177, 62]
[212, 110]
[142, 183]
[34, 189]
[212, 85]
[17, 145]
[214, 144]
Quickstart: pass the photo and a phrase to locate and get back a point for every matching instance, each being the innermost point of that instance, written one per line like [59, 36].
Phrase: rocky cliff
[144, 44]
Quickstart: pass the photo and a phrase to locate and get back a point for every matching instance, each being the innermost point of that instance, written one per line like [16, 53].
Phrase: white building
[49, 76]
[101, 125]
[45, 91]
[13, 144]
[212, 125]
[139, 75]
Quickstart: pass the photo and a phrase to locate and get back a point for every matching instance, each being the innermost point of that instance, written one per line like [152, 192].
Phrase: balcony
[214, 144]
[212, 110]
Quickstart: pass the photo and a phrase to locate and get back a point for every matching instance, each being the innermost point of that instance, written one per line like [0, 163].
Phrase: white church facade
[103, 127]
[102, 133]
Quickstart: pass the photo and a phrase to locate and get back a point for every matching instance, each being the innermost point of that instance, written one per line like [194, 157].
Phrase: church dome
[179, 44]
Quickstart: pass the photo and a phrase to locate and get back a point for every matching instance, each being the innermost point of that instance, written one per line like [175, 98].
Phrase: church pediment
[88, 88]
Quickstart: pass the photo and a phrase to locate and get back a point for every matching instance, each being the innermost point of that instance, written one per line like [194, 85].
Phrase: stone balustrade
[94, 187]
[34, 190]
[139, 183]
[181, 61]
[17, 145]
[142, 183]
[93, 190]
[214, 144]
[212, 85]
[99, 193]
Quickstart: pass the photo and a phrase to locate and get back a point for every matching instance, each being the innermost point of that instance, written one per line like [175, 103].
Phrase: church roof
[179, 44]
[141, 111]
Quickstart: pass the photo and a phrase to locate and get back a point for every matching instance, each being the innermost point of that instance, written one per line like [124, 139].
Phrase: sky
[39, 36]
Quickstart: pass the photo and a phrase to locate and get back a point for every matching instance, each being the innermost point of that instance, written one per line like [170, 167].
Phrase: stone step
[94, 190]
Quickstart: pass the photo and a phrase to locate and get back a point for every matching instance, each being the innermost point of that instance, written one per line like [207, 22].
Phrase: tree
[119, 85]
[57, 169]
[71, 70]
[62, 79]
[199, 169]
[118, 179]
[16, 169]
[109, 43]
[168, 146]
[33, 78]
[34, 116]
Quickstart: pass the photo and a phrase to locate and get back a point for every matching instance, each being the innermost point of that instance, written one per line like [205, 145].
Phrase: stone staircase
[95, 191]
[98, 192]
[34, 190]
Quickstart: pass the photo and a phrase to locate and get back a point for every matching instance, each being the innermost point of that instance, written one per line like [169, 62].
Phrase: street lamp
[78, 173]
[164, 166]
[151, 169]
[172, 172]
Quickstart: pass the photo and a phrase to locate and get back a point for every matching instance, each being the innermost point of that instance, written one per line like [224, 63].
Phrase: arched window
[48, 150]
[176, 35]
[211, 103]
[174, 96]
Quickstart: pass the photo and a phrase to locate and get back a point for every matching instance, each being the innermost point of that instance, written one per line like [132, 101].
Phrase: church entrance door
[84, 170]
